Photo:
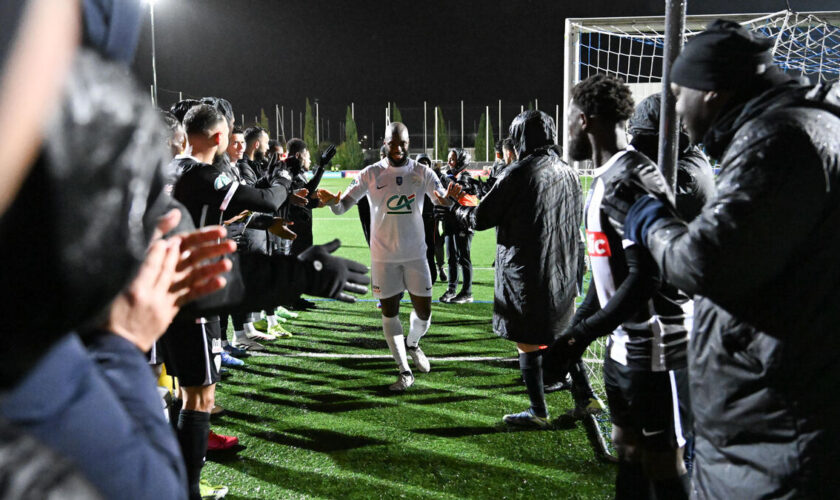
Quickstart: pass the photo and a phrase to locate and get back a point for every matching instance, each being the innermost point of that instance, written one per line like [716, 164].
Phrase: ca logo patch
[221, 181]
[400, 204]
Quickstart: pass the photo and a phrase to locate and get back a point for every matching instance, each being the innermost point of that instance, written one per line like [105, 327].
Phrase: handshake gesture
[449, 201]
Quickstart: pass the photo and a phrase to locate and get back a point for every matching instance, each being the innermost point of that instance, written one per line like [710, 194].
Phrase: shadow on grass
[318, 440]
[225, 456]
[449, 474]
[313, 484]
[293, 369]
[459, 431]
[447, 399]
[245, 417]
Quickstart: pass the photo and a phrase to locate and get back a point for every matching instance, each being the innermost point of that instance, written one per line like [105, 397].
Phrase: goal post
[805, 43]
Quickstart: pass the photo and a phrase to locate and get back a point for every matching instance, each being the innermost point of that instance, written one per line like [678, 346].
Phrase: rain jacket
[536, 206]
[763, 255]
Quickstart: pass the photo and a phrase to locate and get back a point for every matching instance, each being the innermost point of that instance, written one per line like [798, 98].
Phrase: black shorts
[192, 351]
[646, 404]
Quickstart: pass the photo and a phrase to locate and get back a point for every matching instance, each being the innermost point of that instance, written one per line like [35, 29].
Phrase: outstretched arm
[341, 203]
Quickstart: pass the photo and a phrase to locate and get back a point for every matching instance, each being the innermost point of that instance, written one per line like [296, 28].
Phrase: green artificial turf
[315, 419]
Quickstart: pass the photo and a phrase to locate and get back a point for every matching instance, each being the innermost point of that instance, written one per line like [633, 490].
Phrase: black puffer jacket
[469, 186]
[536, 205]
[763, 256]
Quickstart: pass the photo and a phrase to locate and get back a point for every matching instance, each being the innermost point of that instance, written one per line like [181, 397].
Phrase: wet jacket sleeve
[258, 199]
[492, 209]
[768, 197]
[244, 197]
[631, 296]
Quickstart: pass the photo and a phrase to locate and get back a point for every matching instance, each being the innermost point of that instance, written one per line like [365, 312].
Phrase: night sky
[258, 53]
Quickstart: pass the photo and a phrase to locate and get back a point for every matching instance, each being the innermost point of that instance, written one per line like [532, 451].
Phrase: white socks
[239, 335]
[396, 341]
[271, 320]
[417, 329]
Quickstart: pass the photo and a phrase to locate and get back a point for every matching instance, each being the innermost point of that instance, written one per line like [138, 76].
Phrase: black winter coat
[763, 254]
[468, 186]
[536, 206]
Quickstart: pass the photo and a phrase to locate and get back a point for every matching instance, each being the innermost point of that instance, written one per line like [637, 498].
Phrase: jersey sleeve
[354, 192]
[433, 185]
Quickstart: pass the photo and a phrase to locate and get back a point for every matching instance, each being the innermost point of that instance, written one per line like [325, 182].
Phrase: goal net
[805, 44]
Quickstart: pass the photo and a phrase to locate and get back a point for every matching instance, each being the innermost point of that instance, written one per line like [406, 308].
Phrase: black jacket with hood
[536, 206]
[763, 255]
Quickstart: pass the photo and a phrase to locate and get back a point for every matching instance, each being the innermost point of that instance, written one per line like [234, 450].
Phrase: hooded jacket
[763, 256]
[536, 207]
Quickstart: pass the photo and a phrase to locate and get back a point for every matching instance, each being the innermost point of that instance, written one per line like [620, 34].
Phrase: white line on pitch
[328, 355]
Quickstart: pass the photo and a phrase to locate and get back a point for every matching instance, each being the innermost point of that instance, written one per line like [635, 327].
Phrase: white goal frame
[638, 26]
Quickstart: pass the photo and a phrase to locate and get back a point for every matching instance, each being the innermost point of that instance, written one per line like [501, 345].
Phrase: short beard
[399, 163]
[580, 149]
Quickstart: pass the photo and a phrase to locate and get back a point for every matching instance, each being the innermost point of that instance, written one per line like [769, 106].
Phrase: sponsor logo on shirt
[400, 204]
[399, 180]
[597, 244]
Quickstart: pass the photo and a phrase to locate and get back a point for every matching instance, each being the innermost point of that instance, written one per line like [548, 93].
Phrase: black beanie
[723, 57]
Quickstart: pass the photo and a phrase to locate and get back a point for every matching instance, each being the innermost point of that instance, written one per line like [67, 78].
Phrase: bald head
[396, 139]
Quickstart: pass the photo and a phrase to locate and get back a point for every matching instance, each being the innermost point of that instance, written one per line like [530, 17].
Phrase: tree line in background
[349, 154]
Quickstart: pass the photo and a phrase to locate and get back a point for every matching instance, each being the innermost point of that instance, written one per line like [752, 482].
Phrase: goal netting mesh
[805, 44]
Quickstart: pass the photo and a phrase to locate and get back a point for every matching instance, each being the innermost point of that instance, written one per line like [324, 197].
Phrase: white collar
[614, 158]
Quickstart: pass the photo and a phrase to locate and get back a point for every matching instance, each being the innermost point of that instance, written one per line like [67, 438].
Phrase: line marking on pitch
[329, 355]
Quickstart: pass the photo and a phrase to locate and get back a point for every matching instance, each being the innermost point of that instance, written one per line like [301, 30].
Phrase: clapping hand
[175, 271]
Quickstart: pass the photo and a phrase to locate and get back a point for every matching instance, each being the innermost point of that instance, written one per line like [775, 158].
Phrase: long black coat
[536, 206]
[763, 254]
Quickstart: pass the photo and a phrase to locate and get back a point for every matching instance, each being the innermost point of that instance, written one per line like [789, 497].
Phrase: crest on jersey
[400, 204]
[399, 181]
[221, 181]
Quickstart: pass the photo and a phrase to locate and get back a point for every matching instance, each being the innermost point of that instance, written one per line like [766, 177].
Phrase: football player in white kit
[395, 188]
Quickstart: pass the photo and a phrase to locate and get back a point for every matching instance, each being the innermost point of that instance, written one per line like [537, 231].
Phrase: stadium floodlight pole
[425, 129]
[283, 122]
[521, 108]
[276, 122]
[500, 120]
[353, 110]
[536, 104]
[180, 96]
[436, 134]
[292, 115]
[243, 119]
[317, 125]
[154, 55]
[486, 133]
[556, 124]
[152, 94]
[669, 123]
[462, 124]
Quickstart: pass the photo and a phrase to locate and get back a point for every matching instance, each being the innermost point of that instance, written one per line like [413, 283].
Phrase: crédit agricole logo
[400, 204]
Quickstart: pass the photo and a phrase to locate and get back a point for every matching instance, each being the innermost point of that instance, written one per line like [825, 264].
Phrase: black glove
[326, 156]
[623, 190]
[568, 348]
[442, 211]
[329, 276]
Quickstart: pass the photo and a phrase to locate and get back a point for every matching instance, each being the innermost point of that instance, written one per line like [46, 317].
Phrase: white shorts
[391, 278]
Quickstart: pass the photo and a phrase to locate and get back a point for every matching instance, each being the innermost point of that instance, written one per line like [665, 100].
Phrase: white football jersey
[396, 196]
